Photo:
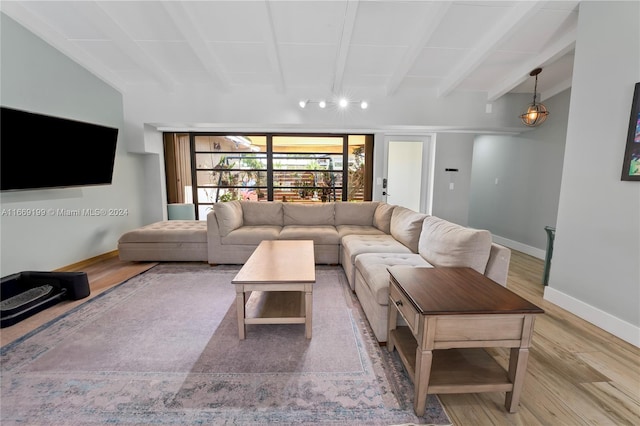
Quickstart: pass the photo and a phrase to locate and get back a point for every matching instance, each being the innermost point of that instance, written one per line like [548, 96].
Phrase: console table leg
[517, 370]
[421, 382]
[392, 324]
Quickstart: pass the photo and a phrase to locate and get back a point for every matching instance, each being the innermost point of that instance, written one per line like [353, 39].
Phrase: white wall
[596, 264]
[38, 78]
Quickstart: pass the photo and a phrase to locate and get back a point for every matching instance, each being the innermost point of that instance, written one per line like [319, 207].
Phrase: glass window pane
[231, 143]
[307, 162]
[307, 144]
[356, 150]
[231, 161]
[227, 178]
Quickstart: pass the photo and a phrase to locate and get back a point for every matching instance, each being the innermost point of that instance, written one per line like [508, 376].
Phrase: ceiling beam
[272, 48]
[520, 13]
[35, 24]
[185, 24]
[345, 43]
[99, 17]
[552, 53]
[431, 22]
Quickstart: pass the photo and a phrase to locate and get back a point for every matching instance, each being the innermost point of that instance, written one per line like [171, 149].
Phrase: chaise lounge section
[165, 241]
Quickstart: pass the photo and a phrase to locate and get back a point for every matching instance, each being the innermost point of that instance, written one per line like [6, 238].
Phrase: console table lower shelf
[469, 370]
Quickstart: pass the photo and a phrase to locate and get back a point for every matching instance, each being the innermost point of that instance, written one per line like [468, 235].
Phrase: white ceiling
[323, 47]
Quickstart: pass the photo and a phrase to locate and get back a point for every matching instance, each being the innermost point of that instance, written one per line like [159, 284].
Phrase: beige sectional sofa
[364, 237]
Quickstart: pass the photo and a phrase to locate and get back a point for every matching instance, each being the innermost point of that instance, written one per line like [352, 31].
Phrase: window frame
[271, 171]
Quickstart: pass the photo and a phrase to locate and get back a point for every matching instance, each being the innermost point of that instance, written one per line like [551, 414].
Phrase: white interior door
[408, 172]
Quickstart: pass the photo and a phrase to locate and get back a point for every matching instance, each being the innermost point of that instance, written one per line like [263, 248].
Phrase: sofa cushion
[360, 213]
[229, 216]
[344, 230]
[446, 244]
[323, 234]
[251, 235]
[353, 245]
[168, 231]
[406, 226]
[382, 217]
[373, 267]
[255, 213]
[308, 214]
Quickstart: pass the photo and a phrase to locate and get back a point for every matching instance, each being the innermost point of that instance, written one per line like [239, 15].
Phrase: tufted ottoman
[169, 240]
[372, 285]
[354, 245]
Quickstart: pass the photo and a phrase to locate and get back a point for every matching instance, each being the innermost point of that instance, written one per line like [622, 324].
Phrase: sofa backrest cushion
[446, 244]
[262, 213]
[382, 217]
[406, 226]
[229, 215]
[357, 213]
[308, 214]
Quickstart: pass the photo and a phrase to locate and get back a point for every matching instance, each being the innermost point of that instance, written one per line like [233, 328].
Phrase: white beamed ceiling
[314, 47]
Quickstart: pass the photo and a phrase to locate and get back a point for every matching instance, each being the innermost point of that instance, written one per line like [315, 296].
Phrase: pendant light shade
[536, 113]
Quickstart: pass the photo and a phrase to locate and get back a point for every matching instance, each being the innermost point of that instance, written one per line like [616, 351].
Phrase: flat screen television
[40, 151]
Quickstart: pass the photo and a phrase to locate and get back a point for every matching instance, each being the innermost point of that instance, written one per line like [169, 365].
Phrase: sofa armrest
[213, 236]
[498, 264]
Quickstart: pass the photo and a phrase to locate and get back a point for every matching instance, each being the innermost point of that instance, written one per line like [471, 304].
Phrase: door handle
[386, 193]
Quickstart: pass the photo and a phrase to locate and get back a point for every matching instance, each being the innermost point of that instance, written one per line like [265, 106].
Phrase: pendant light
[536, 113]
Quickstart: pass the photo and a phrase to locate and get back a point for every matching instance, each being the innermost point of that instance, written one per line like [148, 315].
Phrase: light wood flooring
[578, 374]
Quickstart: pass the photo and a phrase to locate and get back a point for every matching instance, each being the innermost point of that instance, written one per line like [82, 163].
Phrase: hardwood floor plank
[619, 407]
[624, 372]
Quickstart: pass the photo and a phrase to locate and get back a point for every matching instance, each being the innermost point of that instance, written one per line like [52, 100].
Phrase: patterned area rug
[163, 349]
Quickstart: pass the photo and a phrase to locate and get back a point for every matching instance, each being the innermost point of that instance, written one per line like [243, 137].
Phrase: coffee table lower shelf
[275, 307]
[467, 370]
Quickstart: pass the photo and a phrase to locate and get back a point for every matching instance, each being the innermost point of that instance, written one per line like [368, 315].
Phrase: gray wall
[38, 78]
[528, 170]
[453, 151]
[596, 265]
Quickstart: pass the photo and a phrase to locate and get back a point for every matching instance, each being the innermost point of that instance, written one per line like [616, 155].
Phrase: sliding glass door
[267, 167]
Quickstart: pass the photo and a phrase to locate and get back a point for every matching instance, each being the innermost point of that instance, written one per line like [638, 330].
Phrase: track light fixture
[341, 103]
[536, 113]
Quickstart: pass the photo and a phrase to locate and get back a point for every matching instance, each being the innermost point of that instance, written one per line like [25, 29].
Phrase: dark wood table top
[455, 291]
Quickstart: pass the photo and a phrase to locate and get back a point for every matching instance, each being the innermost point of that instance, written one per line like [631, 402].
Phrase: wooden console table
[279, 278]
[451, 314]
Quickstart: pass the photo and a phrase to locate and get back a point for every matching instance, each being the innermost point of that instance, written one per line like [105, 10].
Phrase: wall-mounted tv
[41, 151]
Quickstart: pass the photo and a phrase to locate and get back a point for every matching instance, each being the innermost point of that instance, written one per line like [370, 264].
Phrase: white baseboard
[619, 328]
[531, 251]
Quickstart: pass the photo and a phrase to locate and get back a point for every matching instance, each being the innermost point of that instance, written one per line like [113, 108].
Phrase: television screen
[41, 151]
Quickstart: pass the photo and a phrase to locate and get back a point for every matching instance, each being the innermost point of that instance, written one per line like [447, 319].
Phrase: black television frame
[39, 151]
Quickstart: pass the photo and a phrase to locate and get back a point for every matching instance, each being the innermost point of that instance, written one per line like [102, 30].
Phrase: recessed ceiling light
[302, 104]
[322, 104]
[343, 103]
[364, 105]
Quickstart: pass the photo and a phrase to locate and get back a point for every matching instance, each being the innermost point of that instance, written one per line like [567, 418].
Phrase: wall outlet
[451, 185]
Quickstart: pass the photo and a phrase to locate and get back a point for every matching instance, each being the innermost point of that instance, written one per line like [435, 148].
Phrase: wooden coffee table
[275, 285]
[451, 314]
